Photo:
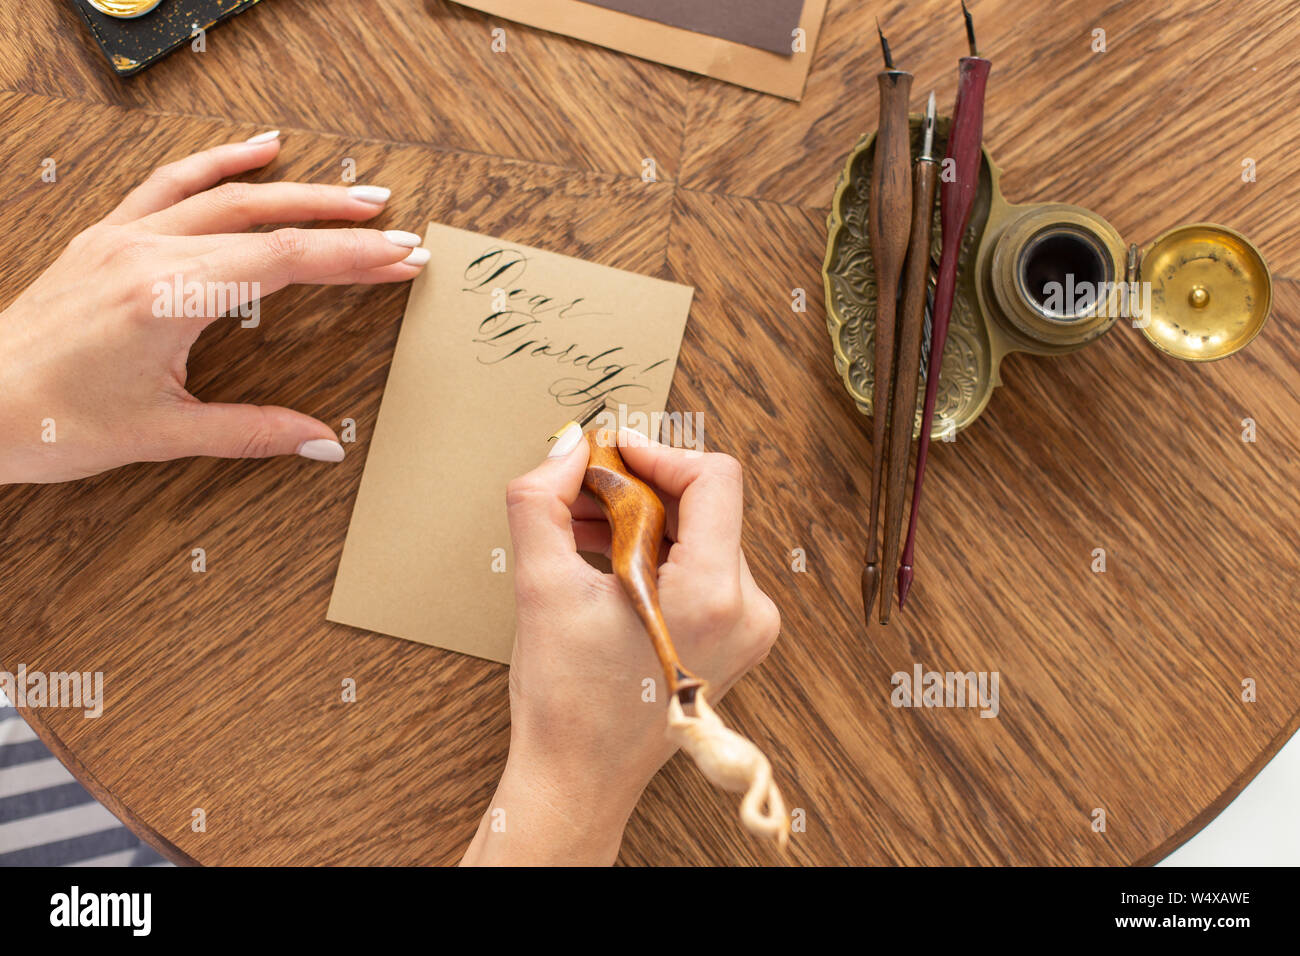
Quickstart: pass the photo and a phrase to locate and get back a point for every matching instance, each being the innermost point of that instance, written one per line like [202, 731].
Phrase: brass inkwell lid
[1210, 291]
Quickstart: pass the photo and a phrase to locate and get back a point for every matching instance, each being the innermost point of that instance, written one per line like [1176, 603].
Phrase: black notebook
[132, 45]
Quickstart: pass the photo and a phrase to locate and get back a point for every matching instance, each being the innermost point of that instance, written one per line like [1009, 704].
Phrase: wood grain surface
[1119, 690]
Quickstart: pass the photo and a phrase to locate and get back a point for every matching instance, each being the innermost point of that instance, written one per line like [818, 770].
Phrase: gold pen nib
[589, 415]
[562, 429]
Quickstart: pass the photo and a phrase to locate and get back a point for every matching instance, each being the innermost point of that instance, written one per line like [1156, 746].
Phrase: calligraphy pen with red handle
[956, 197]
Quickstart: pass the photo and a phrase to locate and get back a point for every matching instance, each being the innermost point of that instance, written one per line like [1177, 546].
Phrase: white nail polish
[408, 240]
[567, 441]
[264, 137]
[418, 257]
[373, 194]
[321, 449]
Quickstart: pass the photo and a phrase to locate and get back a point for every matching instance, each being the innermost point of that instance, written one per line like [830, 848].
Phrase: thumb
[256, 431]
[537, 504]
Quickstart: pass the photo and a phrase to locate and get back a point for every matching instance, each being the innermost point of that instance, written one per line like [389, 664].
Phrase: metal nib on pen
[927, 149]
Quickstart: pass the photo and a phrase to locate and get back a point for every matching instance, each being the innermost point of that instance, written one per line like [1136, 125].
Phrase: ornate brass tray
[849, 277]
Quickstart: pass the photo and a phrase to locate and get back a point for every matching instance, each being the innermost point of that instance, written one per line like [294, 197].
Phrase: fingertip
[264, 139]
[564, 465]
[223, 430]
[315, 440]
[405, 271]
[256, 151]
[402, 272]
[397, 272]
[565, 441]
[374, 195]
[360, 211]
[321, 449]
[566, 461]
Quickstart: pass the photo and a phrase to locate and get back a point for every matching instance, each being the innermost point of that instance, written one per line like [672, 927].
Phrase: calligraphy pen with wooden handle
[887, 222]
[910, 326]
[636, 519]
[956, 197]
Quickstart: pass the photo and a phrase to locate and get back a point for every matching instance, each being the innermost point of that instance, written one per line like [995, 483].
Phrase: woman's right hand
[585, 736]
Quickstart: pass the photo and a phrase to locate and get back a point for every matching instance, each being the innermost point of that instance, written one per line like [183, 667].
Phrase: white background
[1260, 828]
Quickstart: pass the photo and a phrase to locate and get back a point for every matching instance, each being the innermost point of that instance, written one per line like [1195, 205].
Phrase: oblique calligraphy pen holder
[637, 520]
[1022, 286]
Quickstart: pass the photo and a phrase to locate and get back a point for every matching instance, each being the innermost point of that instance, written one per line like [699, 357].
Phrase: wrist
[538, 817]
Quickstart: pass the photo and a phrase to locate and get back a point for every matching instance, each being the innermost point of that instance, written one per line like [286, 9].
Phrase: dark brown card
[766, 24]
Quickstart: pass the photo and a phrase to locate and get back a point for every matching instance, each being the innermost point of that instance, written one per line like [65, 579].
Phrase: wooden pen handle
[888, 214]
[636, 522]
[910, 326]
[891, 177]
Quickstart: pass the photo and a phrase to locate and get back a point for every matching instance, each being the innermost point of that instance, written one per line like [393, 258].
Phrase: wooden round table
[1120, 691]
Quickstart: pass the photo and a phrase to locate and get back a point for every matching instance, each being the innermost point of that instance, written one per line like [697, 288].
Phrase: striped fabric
[47, 818]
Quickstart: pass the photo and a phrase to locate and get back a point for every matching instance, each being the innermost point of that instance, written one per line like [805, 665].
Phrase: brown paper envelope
[721, 59]
[473, 393]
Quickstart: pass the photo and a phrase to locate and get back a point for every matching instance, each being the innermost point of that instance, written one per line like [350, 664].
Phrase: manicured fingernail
[321, 449]
[374, 194]
[566, 439]
[418, 257]
[264, 137]
[407, 240]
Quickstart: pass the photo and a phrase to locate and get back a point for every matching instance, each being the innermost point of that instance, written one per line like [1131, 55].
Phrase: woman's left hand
[93, 354]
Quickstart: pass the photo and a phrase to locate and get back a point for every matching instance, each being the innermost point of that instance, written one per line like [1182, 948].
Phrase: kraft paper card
[500, 346]
[755, 69]
[766, 24]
